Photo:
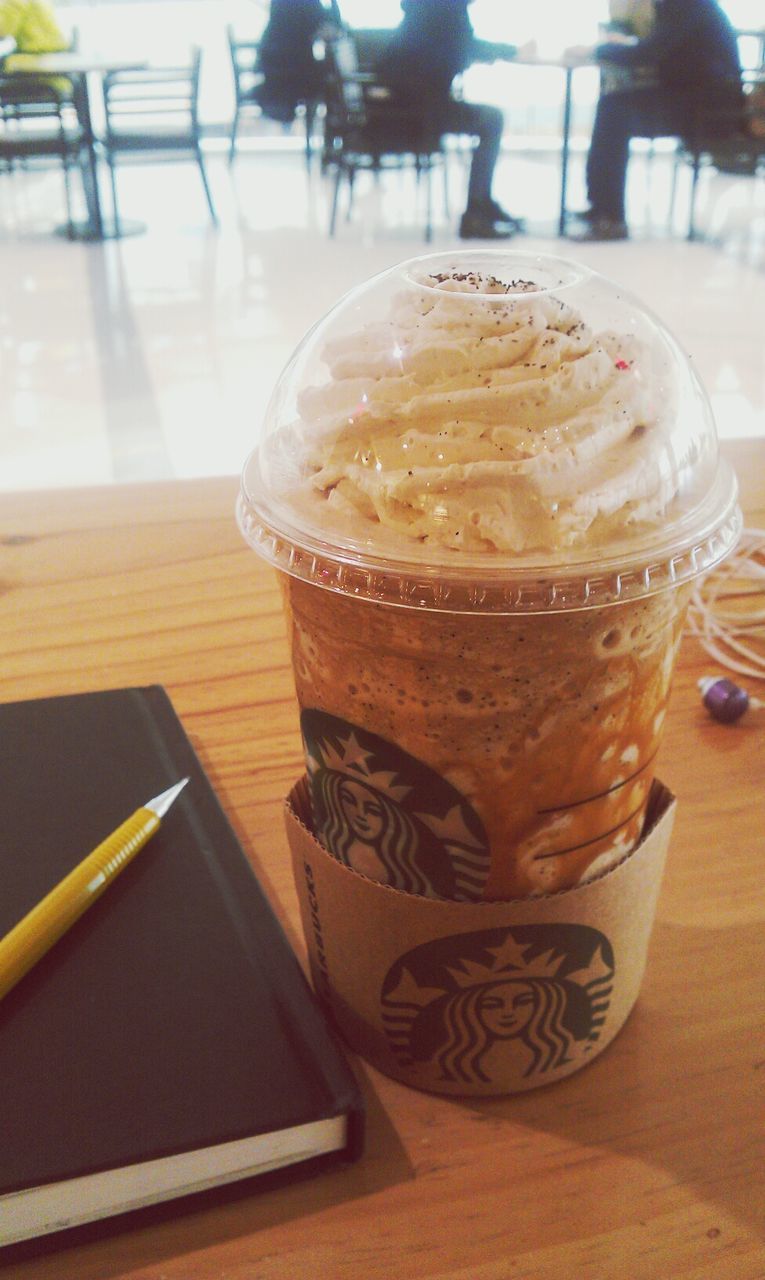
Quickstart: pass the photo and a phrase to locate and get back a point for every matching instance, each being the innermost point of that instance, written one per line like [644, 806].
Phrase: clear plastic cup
[488, 481]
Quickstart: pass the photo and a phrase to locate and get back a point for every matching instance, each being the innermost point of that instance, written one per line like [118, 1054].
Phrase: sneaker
[601, 229]
[475, 225]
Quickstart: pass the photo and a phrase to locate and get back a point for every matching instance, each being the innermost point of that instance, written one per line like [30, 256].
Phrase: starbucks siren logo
[389, 816]
[539, 991]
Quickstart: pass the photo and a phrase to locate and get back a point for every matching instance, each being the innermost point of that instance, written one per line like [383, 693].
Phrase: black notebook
[169, 1042]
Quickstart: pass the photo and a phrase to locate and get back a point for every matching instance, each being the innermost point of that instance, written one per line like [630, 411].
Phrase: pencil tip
[161, 803]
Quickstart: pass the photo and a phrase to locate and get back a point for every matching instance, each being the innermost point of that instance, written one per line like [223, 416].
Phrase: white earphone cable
[727, 608]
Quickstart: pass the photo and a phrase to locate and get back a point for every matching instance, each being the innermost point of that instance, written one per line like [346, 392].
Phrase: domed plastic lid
[492, 431]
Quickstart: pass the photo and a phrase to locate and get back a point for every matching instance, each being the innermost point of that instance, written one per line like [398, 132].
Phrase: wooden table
[647, 1165]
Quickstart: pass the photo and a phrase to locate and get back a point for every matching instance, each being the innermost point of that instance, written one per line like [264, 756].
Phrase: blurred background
[154, 354]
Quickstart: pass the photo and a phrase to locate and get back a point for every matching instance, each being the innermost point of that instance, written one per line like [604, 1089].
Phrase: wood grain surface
[646, 1165]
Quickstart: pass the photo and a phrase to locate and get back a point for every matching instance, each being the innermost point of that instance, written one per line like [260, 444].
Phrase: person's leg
[483, 217]
[648, 113]
[487, 124]
[609, 154]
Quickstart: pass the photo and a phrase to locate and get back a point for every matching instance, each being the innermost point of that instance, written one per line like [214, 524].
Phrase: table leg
[93, 227]
[565, 137]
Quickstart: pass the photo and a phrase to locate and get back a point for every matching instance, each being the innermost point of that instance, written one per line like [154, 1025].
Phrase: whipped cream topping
[485, 416]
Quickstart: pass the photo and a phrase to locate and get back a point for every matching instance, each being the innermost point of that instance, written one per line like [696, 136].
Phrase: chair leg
[310, 116]
[694, 186]
[234, 128]
[335, 199]
[115, 204]
[428, 201]
[68, 197]
[445, 167]
[673, 191]
[206, 186]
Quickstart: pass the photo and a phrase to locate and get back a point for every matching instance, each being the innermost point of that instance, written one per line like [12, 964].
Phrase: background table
[647, 1165]
[567, 67]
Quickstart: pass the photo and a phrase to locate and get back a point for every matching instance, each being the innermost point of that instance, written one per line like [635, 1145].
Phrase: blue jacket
[433, 43]
[692, 45]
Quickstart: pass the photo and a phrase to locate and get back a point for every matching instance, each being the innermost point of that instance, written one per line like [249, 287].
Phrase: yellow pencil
[36, 933]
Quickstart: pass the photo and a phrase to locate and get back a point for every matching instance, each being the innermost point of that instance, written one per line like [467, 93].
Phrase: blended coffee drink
[488, 482]
[543, 728]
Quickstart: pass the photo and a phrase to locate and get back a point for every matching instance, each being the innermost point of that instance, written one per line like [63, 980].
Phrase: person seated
[291, 73]
[628, 21]
[434, 43]
[693, 51]
[32, 25]
[632, 17]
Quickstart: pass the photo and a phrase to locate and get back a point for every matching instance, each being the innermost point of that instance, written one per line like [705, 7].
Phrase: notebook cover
[174, 1015]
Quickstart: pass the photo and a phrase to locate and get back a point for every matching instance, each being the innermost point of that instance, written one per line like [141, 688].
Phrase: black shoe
[495, 211]
[601, 229]
[475, 225]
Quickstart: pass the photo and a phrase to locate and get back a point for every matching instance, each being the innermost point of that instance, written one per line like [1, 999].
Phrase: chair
[155, 109]
[13, 60]
[37, 119]
[727, 140]
[371, 46]
[248, 80]
[365, 129]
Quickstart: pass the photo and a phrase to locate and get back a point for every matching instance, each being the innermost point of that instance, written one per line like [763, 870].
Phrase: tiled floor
[155, 355]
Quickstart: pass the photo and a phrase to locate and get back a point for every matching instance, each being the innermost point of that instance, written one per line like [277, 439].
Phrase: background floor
[155, 356]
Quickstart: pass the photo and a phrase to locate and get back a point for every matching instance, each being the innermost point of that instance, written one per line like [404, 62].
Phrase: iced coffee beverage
[488, 483]
[545, 729]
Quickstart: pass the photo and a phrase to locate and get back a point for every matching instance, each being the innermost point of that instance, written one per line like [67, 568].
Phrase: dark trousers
[482, 122]
[637, 113]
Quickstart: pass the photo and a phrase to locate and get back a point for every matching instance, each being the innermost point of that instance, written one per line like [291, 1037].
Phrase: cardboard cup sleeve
[477, 998]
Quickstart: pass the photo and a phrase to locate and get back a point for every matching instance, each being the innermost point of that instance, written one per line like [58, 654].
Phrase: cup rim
[501, 587]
